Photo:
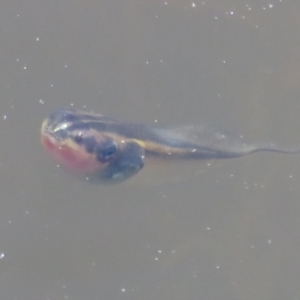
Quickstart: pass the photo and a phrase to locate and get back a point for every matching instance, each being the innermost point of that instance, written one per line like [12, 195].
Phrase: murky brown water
[231, 232]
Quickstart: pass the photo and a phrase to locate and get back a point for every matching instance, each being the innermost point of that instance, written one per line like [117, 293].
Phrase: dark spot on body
[106, 150]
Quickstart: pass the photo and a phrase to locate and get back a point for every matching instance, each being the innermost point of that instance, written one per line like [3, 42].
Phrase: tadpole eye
[105, 150]
[78, 138]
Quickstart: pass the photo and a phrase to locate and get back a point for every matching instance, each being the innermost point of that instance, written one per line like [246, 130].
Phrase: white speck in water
[193, 4]
[194, 150]
[123, 290]
[159, 251]
[269, 242]
[37, 39]
[156, 258]
[4, 117]
[217, 267]
[2, 255]
[166, 3]
[41, 101]
[147, 62]
[207, 228]
[232, 13]
[224, 61]
[24, 67]
[66, 66]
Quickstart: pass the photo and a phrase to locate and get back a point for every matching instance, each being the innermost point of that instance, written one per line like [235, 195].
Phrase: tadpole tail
[275, 149]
